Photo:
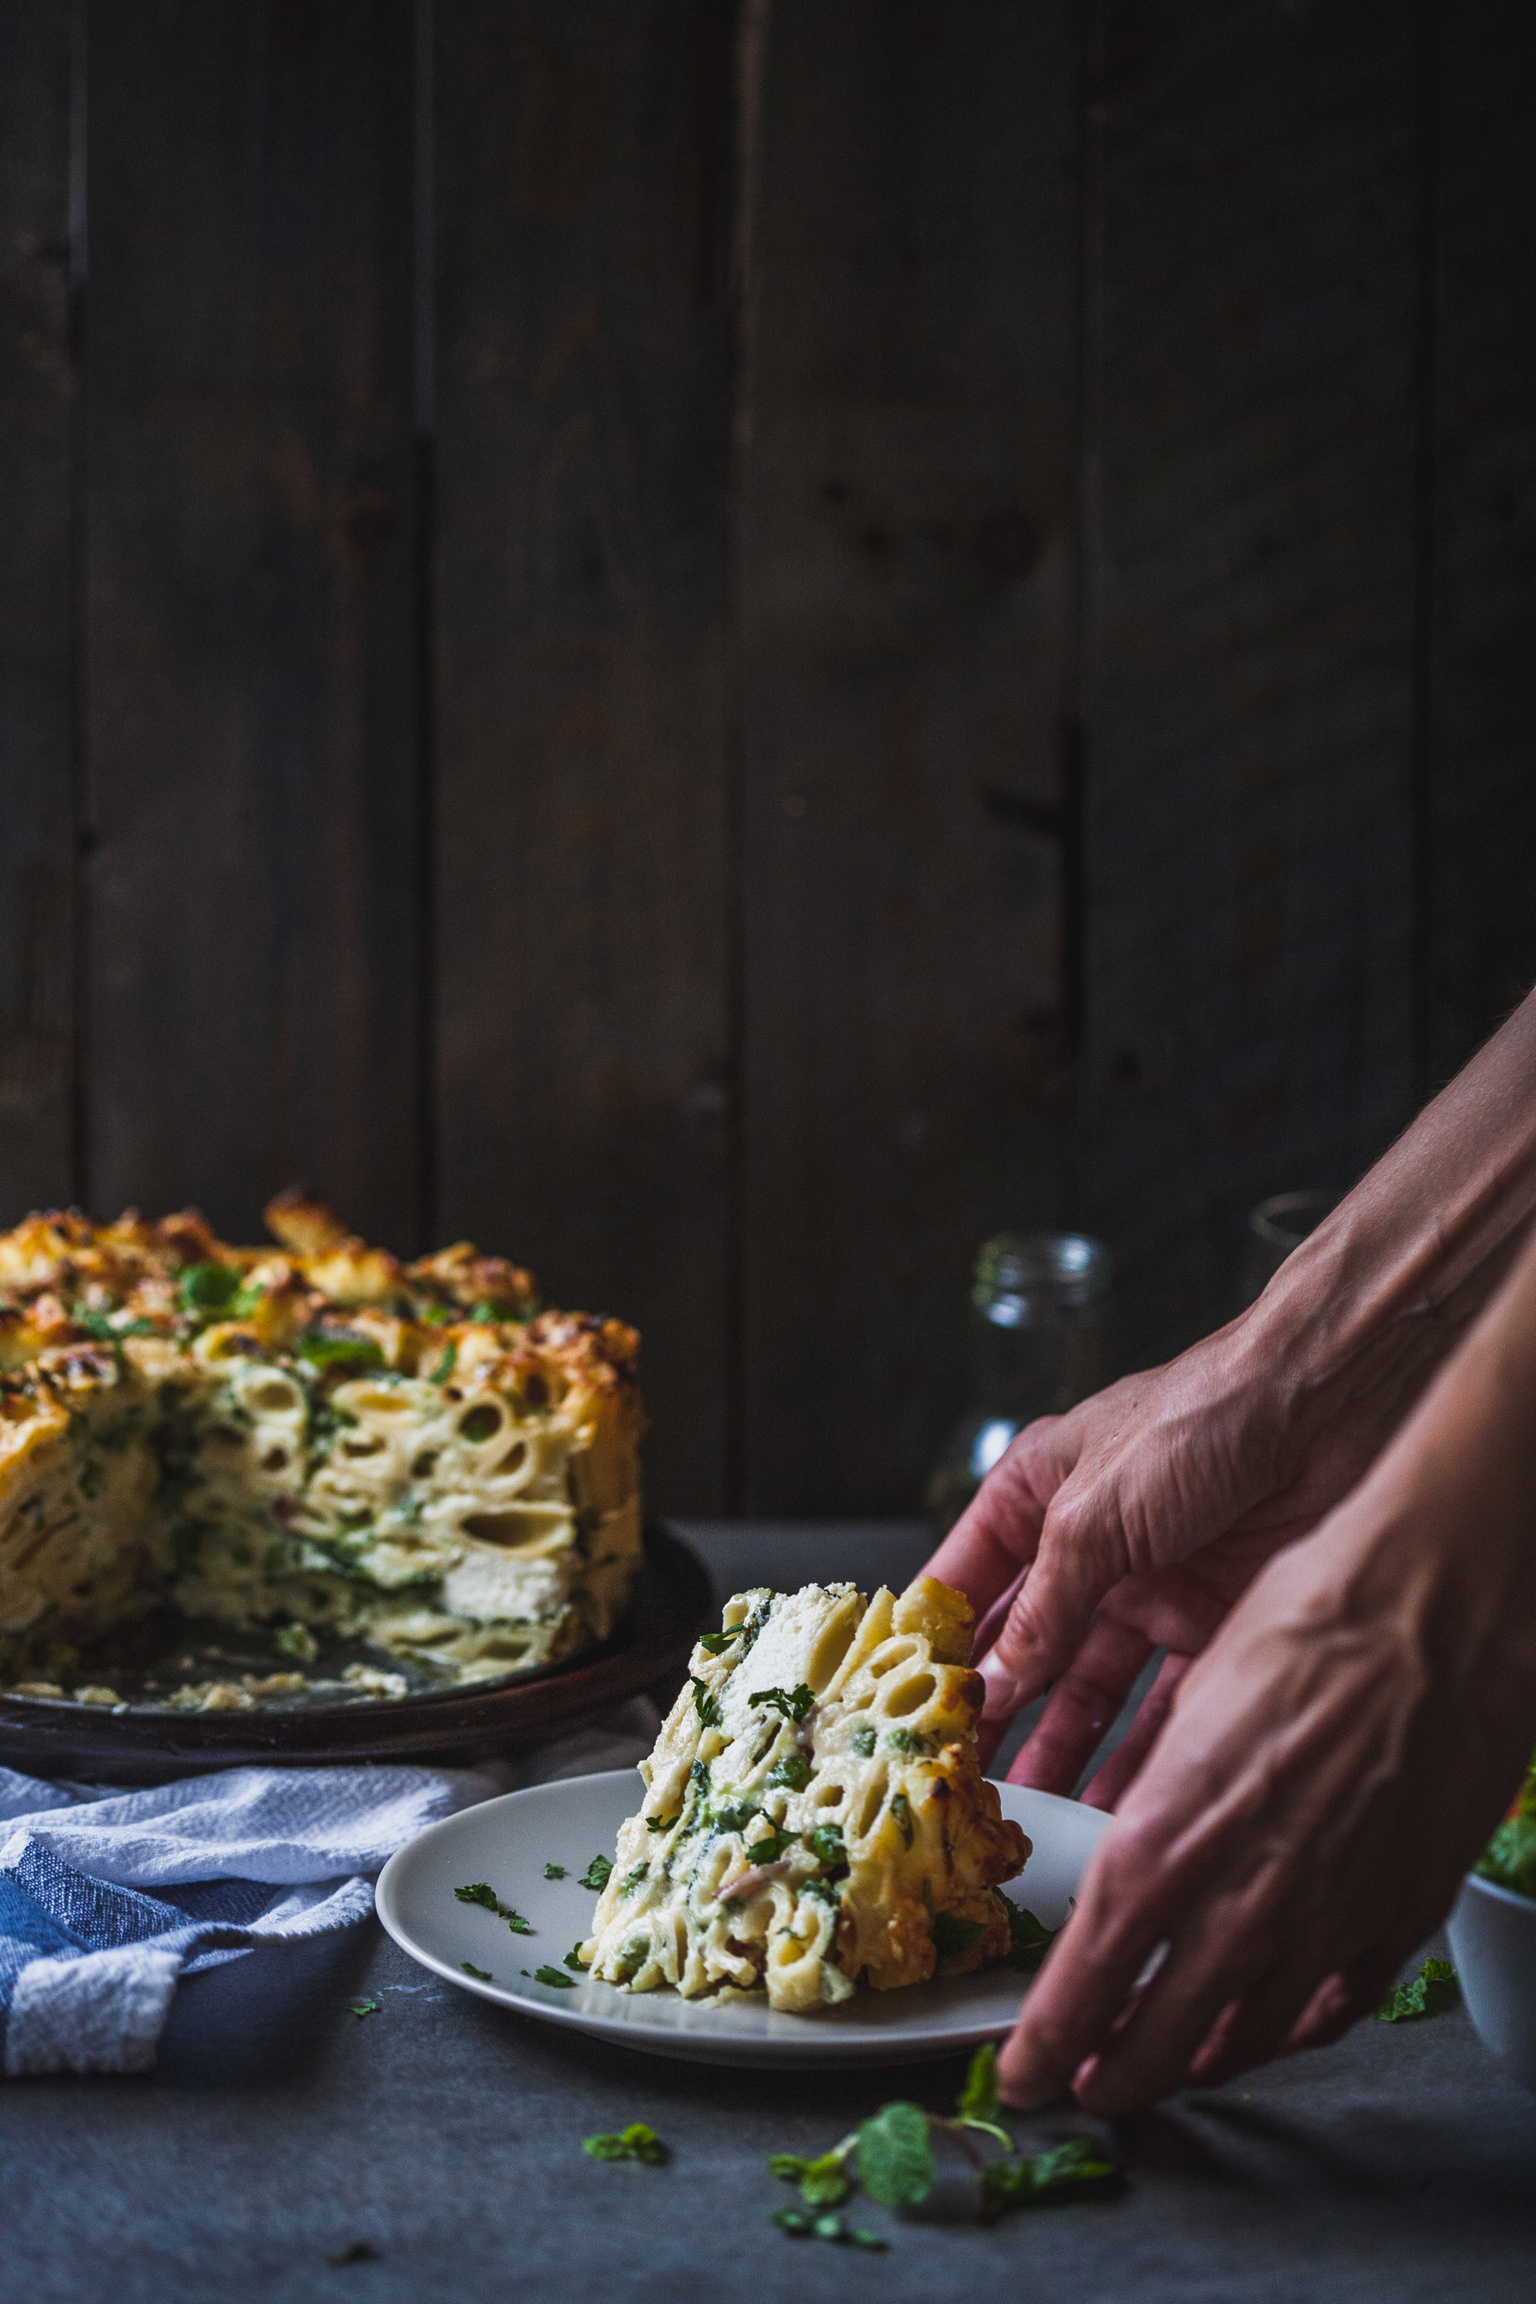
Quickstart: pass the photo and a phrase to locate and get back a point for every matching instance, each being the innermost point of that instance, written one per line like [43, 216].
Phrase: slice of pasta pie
[312, 1437]
[815, 1814]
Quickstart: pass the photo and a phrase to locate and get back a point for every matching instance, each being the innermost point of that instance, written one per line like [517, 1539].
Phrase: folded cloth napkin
[108, 1898]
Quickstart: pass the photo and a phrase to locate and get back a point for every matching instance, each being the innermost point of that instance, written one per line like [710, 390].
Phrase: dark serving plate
[671, 1603]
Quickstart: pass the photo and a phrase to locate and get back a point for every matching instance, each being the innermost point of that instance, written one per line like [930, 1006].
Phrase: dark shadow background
[727, 646]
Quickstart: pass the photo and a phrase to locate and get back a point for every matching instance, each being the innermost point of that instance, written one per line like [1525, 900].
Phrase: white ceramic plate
[508, 1842]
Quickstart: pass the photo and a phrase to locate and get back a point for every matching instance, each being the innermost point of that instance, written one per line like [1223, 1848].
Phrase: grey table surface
[278, 2129]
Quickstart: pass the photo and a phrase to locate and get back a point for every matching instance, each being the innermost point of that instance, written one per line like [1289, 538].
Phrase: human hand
[1141, 1516]
[1332, 1767]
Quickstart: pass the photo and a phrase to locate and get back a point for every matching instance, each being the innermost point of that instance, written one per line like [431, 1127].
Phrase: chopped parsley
[554, 1871]
[794, 1703]
[901, 1817]
[662, 1823]
[547, 1975]
[632, 1880]
[952, 1934]
[716, 1643]
[206, 1288]
[636, 2142]
[481, 1892]
[331, 1348]
[1433, 1992]
[446, 1364]
[597, 1874]
[706, 1705]
[573, 1959]
[482, 1975]
[365, 2007]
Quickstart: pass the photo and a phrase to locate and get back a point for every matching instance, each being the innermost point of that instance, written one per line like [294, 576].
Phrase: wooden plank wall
[728, 646]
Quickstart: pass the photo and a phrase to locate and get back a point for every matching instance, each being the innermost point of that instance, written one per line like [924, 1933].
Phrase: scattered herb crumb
[548, 1975]
[483, 1975]
[482, 1893]
[1432, 1992]
[597, 1873]
[355, 2252]
[799, 2226]
[554, 1871]
[365, 2007]
[636, 2142]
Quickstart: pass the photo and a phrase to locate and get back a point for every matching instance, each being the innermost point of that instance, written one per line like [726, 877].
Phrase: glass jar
[1038, 1329]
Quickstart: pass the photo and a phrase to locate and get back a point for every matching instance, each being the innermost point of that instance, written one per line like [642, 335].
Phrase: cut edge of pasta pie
[815, 1815]
[313, 1436]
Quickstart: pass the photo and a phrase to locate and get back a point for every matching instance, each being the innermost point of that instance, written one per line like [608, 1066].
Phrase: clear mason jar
[1038, 1343]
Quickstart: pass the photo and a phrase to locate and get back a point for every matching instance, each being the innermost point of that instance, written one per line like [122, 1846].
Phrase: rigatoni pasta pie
[815, 1814]
[312, 1436]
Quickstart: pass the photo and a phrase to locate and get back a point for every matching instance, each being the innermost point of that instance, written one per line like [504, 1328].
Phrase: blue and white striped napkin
[107, 1900]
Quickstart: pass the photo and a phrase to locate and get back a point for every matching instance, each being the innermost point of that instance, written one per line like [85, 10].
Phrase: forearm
[1371, 1305]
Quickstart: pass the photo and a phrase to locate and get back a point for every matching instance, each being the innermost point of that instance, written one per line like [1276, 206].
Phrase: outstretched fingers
[1083, 1703]
[1124, 1764]
[1088, 1976]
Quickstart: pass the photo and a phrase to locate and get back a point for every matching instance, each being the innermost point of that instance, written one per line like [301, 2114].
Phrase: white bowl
[1493, 1946]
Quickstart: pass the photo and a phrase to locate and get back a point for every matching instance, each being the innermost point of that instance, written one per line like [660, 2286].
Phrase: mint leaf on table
[1431, 1993]
[794, 1703]
[823, 2183]
[547, 1975]
[895, 2156]
[1077, 2170]
[364, 2007]
[802, 2227]
[597, 1874]
[481, 1975]
[978, 2099]
[1028, 1940]
[554, 1871]
[636, 2142]
[953, 1933]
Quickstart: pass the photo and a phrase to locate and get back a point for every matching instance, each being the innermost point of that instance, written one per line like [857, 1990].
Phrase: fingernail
[1002, 1699]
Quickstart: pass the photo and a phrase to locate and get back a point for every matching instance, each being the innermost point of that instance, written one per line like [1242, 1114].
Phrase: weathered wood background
[727, 646]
